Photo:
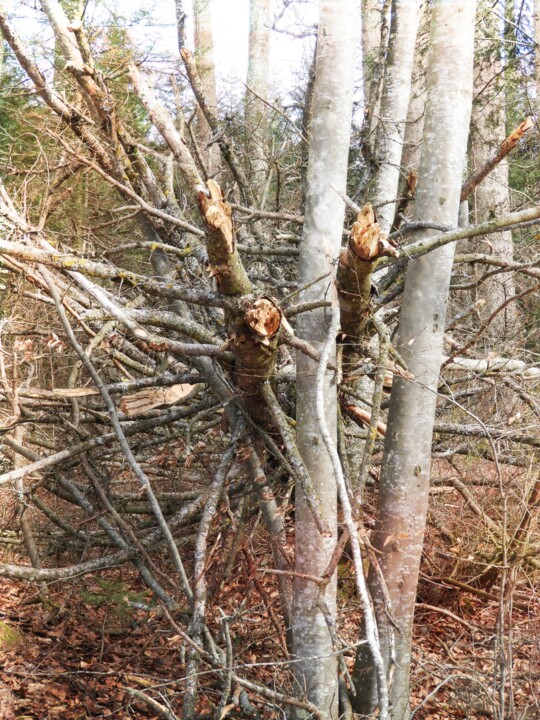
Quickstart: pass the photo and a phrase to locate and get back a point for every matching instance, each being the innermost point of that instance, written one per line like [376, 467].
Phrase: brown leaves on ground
[77, 656]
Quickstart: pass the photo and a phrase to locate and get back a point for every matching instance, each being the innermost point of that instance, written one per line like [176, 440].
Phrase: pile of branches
[202, 354]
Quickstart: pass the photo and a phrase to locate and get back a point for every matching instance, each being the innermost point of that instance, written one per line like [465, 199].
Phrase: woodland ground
[75, 657]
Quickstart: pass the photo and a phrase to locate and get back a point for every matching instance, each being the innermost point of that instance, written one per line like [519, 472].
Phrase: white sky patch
[289, 54]
[152, 26]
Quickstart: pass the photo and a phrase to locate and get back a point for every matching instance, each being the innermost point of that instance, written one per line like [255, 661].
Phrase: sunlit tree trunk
[404, 483]
[371, 39]
[393, 110]
[204, 58]
[258, 76]
[321, 241]
[374, 46]
[537, 52]
[2, 52]
[491, 197]
[414, 126]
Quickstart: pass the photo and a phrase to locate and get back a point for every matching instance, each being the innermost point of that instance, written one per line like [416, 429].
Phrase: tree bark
[204, 59]
[258, 77]
[393, 111]
[316, 666]
[537, 53]
[404, 484]
[414, 125]
[491, 198]
[374, 45]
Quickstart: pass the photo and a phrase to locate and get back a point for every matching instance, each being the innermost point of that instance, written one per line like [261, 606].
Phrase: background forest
[269, 362]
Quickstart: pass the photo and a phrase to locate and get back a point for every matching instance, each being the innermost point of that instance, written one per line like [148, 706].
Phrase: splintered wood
[264, 318]
[367, 241]
[145, 400]
[218, 214]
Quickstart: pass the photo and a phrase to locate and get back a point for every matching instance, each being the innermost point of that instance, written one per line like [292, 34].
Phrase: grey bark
[204, 58]
[258, 77]
[491, 198]
[316, 669]
[374, 46]
[394, 105]
[404, 484]
[537, 52]
[414, 126]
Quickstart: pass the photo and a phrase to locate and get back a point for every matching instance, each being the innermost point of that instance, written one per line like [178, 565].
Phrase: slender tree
[414, 125]
[204, 58]
[492, 196]
[371, 44]
[319, 249]
[537, 52]
[393, 110]
[258, 77]
[404, 483]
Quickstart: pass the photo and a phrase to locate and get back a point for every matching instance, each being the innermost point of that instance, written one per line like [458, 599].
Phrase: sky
[153, 28]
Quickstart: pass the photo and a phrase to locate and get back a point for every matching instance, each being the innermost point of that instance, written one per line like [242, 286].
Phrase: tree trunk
[537, 53]
[414, 125]
[393, 111]
[374, 45]
[258, 75]
[321, 241]
[491, 197]
[204, 59]
[404, 484]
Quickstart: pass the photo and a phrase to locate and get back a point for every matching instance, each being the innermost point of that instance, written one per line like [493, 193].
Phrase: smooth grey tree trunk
[414, 125]
[258, 79]
[537, 53]
[371, 40]
[339, 29]
[491, 197]
[404, 484]
[204, 58]
[393, 110]
[375, 15]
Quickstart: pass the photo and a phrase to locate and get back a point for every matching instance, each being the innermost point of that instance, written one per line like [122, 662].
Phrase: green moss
[9, 636]
[116, 596]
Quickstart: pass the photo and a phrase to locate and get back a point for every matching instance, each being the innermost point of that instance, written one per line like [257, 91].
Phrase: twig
[291, 573]
[470, 626]
[161, 710]
[485, 325]
[199, 586]
[99, 441]
[227, 683]
[384, 347]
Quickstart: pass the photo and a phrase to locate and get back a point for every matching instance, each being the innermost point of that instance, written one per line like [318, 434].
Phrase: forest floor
[78, 657]
[98, 640]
